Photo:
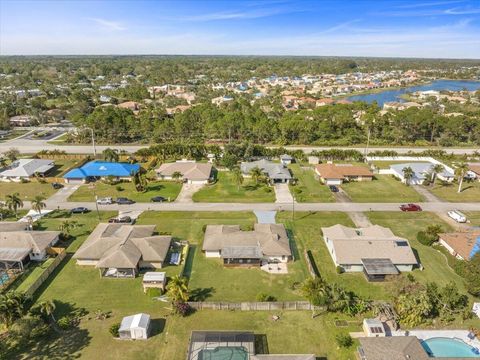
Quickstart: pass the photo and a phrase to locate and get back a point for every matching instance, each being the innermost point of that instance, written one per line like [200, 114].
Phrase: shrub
[340, 270]
[344, 340]
[65, 322]
[153, 292]
[425, 238]
[262, 297]
[182, 308]
[119, 188]
[114, 329]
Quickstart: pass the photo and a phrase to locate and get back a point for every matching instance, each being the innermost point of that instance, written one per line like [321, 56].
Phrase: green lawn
[63, 165]
[383, 188]
[473, 217]
[71, 285]
[27, 191]
[208, 276]
[470, 192]
[167, 189]
[225, 190]
[309, 189]
[31, 274]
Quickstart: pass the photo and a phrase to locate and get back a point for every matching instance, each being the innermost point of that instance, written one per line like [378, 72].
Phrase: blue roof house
[101, 169]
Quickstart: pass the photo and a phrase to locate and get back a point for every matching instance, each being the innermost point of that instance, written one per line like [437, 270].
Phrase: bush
[28, 328]
[344, 340]
[114, 329]
[153, 292]
[65, 322]
[425, 238]
[340, 270]
[262, 297]
[119, 188]
[182, 308]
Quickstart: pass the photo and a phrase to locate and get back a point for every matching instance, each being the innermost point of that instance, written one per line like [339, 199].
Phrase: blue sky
[421, 28]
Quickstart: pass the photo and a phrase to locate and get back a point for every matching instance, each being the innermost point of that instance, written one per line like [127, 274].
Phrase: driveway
[359, 219]
[187, 192]
[426, 194]
[341, 196]
[282, 194]
[62, 194]
[265, 217]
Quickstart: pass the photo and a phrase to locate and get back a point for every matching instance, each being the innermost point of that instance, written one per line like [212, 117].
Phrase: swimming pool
[224, 353]
[448, 347]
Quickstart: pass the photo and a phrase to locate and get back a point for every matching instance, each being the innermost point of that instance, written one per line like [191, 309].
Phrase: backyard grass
[167, 189]
[383, 188]
[27, 191]
[208, 278]
[309, 189]
[31, 274]
[473, 217]
[64, 165]
[225, 190]
[470, 192]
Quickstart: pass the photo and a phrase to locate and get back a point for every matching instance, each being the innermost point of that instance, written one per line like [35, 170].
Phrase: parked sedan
[79, 210]
[410, 207]
[158, 199]
[333, 188]
[57, 186]
[121, 220]
[124, 201]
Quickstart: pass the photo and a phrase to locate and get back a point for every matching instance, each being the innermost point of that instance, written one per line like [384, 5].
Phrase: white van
[457, 216]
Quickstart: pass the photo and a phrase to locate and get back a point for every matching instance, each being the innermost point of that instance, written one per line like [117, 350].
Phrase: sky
[405, 28]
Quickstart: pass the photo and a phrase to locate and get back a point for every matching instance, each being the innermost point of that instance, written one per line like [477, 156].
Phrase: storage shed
[135, 327]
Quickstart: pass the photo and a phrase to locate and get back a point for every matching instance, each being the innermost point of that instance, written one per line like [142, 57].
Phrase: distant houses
[22, 120]
[190, 172]
[95, 170]
[265, 243]
[26, 168]
[336, 174]
[276, 172]
[375, 250]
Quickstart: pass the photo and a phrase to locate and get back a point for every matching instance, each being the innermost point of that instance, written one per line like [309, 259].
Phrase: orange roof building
[333, 174]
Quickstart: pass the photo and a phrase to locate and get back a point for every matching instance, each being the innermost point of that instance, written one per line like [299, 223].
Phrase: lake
[438, 85]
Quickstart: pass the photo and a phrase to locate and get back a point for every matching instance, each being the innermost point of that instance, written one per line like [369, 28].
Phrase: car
[457, 216]
[333, 188]
[105, 201]
[158, 199]
[121, 220]
[124, 201]
[57, 186]
[410, 207]
[79, 210]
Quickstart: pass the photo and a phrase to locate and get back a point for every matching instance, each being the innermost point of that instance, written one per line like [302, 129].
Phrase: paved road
[342, 207]
[33, 146]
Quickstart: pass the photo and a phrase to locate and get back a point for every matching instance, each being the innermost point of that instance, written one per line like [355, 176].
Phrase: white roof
[135, 322]
[154, 276]
[27, 167]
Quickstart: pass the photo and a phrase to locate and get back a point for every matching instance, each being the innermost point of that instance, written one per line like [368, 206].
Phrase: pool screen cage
[207, 340]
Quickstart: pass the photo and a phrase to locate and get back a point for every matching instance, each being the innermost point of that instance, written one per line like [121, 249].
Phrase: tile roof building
[463, 245]
[336, 174]
[26, 168]
[276, 172]
[191, 171]
[102, 169]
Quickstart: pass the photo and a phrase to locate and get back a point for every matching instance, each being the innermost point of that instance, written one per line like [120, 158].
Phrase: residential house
[463, 245]
[19, 246]
[120, 250]
[336, 174]
[26, 168]
[131, 105]
[277, 173]
[286, 159]
[221, 99]
[265, 243]
[232, 345]
[191, 171]
[375, 250]
[421, 172]
[97, 169]
[391, 348]
[474, 171]
[22, 120]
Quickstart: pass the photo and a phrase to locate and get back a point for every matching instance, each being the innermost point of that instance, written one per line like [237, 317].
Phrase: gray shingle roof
[271, 169]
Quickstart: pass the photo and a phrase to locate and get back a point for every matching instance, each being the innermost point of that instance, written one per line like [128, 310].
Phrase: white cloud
[108, 25]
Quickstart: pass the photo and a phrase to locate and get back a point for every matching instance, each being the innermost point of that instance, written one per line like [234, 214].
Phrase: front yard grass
[473, 217]
[470, 192]
[27, 191]
[309, 189]
[167, 189]
[225, 190]
[382, 189]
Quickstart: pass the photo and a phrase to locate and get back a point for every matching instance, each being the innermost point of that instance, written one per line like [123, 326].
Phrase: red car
[410, 207]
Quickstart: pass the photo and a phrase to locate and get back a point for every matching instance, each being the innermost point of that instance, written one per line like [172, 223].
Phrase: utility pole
[293, 207]
[93, 142]
[368, 144]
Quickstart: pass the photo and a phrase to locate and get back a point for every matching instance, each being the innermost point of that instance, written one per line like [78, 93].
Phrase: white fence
[408, 158]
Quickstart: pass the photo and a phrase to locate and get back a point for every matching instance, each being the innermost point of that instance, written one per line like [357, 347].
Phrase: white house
[135, 327]
[26, 168]
[421, 171]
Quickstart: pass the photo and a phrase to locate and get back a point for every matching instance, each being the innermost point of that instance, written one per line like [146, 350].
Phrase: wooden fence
[34, 287]
[312, 267]
[253, 306]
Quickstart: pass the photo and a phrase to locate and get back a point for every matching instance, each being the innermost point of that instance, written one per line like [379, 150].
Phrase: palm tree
[436, 169]
[12, 307]
[177, 289]
[47, 308]
[408, 174]
[111, 155]
[256, 173]
[461, 171]
[13, 202]
[316, 291]
[38, 204]
[66, 226]
[177, 175]
[237, 177]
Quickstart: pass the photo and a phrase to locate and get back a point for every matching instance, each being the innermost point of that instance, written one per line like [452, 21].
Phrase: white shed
[135, 327]
[373, 328]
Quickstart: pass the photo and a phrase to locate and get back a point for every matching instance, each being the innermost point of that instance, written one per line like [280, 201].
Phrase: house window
[283, 257]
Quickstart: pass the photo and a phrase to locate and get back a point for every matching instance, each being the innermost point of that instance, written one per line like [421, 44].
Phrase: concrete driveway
[62, 194]
[282, 193]
[187, 192]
